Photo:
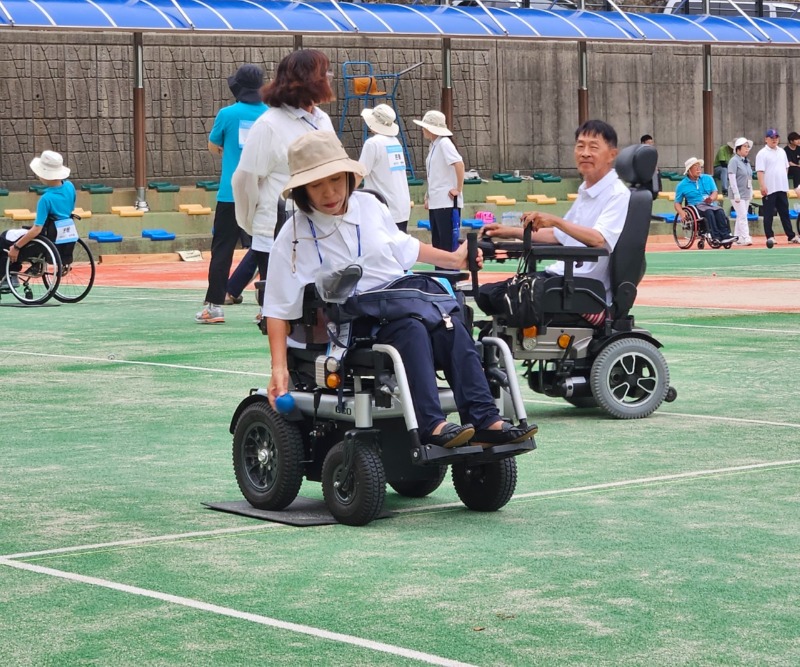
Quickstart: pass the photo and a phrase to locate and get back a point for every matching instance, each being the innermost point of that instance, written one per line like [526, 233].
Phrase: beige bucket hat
[381, 120]
[317, 155]
[435, 123]
[691, 162]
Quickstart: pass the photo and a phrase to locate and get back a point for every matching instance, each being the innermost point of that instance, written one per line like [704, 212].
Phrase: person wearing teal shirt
[699, 190]
[226, 140]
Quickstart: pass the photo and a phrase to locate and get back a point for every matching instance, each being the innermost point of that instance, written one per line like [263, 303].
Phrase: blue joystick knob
[284, 403]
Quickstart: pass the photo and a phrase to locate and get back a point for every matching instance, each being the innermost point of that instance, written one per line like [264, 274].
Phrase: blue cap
[772, 133]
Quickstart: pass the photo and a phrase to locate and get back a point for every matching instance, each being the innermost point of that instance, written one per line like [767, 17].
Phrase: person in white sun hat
[445, 170]
[740, 188]
[385, 164]
[53, 212]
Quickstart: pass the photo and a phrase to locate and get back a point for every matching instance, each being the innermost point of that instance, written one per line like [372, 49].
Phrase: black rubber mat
[302, 512]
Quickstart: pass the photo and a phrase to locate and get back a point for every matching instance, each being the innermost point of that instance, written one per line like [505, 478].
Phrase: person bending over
[343, 226]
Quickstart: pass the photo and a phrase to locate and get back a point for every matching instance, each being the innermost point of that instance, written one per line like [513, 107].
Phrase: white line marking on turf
[317, 633]
[134, 363]
[623, 483]
[714, 326]
[177, 537]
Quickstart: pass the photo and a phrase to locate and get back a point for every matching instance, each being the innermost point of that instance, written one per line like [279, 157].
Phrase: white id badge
[66, 232]
[334, 349]
[397, 161]
[244, 129]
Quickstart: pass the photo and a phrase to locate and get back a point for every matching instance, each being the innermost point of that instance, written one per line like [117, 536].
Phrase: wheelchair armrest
[451, 276]
[567, 253]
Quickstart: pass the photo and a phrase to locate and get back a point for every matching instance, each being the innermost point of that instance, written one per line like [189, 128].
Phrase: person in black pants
[793, 154]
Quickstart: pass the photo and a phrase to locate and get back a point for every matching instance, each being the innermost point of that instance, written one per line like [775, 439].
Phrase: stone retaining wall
[515, 101]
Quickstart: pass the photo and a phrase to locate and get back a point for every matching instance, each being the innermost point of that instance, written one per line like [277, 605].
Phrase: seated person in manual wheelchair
[410, 319]
[571, 321]
[699, 191]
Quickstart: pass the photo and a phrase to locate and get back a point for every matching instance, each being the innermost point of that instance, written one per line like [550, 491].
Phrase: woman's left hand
[13, 253]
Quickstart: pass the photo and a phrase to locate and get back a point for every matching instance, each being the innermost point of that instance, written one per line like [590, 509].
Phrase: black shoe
[507, 435]
[452, 435]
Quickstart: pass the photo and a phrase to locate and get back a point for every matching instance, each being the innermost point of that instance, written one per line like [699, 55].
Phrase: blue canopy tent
[387, 20]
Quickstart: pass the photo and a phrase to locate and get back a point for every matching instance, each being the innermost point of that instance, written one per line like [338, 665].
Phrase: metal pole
[708, 112]
[583, 84]
[447, 82]
[139, 141]
[298, 42]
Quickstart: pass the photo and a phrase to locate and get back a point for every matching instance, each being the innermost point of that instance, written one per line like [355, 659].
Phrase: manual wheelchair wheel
[684, 233]
[35, 276]
[77, 275]
[267, 457]
[485, 487]
[356, 498]
[419, 488]
[629, 378]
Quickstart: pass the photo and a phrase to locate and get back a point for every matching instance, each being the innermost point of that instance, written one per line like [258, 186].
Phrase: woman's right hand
[278, 385]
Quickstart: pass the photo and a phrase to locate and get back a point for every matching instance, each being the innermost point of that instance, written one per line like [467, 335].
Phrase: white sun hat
[381, 120]
[691, 162]
[741, 141]
[50, 166]
[436, 123]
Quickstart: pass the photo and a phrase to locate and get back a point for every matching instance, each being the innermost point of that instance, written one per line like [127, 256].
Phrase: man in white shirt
[385, 164]
[596, 219]
[772, 168]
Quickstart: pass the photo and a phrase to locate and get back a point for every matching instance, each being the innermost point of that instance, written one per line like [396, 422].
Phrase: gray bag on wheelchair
[416, 296]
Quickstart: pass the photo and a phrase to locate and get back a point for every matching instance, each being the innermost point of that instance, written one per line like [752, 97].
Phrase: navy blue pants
[453, 351]
[777, 201]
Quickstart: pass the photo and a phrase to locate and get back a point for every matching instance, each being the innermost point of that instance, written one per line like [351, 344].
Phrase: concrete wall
[515, 101]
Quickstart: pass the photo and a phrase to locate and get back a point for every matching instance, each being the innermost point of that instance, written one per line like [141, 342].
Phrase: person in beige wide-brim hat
[444, 167]
[49, 166]
[334, 227]
[385, 162]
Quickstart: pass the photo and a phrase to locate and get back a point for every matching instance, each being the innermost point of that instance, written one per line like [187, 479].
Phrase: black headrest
[636, 164]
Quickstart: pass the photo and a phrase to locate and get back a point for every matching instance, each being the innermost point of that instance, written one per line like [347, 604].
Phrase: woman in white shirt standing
[740, 188]
[445, 171]
[302, 81]
[385, 164]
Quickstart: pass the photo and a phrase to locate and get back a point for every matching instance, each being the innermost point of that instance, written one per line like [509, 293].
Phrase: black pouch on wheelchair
[523, 297]
[420, 297]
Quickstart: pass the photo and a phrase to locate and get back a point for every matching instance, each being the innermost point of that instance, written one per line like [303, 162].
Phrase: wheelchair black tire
[629, 378]
[267, 457]
[362, 503]
[419, 488]
[485, 487]
[76, 283]
[43, 265]
[684, 233]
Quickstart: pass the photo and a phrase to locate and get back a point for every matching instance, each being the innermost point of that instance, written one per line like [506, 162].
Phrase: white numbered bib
[66, 232]
[244, 130]
[397, 161]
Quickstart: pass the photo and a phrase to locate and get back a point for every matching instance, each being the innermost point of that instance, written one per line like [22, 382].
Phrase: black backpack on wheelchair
[602, 360]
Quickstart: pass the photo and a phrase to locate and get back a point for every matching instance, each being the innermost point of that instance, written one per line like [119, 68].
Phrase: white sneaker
[211, 314]
[796, 239]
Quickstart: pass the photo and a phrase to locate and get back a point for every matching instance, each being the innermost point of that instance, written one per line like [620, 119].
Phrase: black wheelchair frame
[363, 434]
[615, 365]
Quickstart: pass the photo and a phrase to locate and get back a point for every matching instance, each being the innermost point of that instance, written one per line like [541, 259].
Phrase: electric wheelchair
[613, 364]
[353, 428]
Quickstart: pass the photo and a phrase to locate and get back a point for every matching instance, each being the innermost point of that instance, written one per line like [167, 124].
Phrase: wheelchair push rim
[684, 232]
[36, 274]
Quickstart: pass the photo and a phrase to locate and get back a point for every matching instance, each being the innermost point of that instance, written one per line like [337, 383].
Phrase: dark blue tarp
[410, 20]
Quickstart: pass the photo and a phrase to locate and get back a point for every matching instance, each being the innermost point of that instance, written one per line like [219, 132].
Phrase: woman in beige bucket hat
[336, 226]
[445, 170]
[384, 162]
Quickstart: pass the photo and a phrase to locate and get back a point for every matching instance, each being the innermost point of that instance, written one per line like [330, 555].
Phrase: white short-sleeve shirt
[366, 234]
[774, 163]
[265, 154]
[442, 155]
[603, 207]
[385, 162]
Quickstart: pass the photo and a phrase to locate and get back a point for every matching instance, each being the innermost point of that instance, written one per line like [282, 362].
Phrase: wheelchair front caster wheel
[701, 245]
[672, 394]
[354, 497]
[485, 487]
[419, 488]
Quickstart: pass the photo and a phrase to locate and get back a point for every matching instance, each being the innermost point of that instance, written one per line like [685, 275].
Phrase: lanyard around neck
[316, 243]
